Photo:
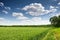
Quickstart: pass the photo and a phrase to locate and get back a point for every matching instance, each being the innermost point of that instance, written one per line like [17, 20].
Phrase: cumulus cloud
[1, 4]
[4, 11]
[59, 3]
[37, 9]
[19, 15]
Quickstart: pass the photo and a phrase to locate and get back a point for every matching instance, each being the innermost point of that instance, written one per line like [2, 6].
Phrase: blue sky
[28, 12]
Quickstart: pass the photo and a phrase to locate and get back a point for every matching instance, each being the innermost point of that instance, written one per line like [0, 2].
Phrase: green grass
[29, 33]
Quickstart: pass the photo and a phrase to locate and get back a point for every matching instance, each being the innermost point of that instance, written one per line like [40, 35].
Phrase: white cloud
[37, 9]
[22, 18]
[3, 21]
[59, 3]
[8, 8]
[4, 11]
[53, 10]
[1, 4]
[19, 15]
[34, 21]
[52, 7]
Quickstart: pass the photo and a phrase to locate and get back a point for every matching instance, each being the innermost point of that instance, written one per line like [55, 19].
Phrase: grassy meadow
[29, 33]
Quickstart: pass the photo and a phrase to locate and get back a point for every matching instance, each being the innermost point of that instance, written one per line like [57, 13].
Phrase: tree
[55, 21]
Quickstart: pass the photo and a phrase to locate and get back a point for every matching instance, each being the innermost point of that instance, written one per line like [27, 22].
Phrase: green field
[29, 33]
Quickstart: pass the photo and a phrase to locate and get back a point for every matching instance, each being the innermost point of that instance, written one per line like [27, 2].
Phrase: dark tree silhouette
[55, 21]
